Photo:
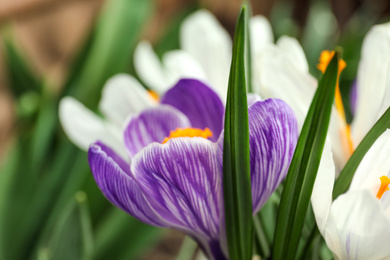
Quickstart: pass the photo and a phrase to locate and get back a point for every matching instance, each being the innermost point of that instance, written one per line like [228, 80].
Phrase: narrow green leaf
[236, 169]
[71, 237]
[113, 41]
[346, 175]
[261, 241]
[20, 75]
[304, 166]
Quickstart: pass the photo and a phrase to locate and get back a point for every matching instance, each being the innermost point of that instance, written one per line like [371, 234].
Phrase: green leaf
[120, 236]
[114, 39]
[71, 237]
[304, 166]
[20, 76]
[236, 168]
[346, 175]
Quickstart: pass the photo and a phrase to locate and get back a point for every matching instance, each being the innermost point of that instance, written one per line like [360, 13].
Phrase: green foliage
[236, 169]
[304, 165]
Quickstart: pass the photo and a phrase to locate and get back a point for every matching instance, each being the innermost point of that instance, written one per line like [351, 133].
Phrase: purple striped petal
[114, 179]
[199, 103]
[152, 125]
[353, 95]
[183, 177]
[273, 135]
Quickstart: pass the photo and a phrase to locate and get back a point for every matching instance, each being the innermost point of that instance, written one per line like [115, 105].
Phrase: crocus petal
[84, 127]
[321, 198]
[152, 125]
[260, 32]
[273, 135]
[375, 164]
[149, 67]
[114, 179]
[183, 179]
[357, 227]
[122, 96]
[208, 42]
[180, 64]
[279, 77]
[294, 51]
[199, 103]
[372, 79]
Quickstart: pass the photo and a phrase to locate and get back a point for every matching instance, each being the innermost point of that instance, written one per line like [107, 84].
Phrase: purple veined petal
[199, 103]
[113, 177]
[183, 177]
[152, 125]
[273, 134]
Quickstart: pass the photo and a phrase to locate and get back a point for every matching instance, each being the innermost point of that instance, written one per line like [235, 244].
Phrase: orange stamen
[189, 132]
[385, 181]
[154, 95]
[325, 58]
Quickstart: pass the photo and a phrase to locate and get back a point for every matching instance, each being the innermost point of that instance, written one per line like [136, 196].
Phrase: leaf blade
[303, 168]
[236, 168]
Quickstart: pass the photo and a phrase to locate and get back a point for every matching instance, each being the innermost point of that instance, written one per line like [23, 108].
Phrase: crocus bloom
[177, 182]
[357, 224]
[283, 73]
[205, 55]
[206, 51]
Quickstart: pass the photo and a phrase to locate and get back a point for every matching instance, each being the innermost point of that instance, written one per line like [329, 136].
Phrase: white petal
[375, 164]
[372, 79]
[279, 77]
[84, 127]
[123, 96]
[260, 33]
[357, 227]
[149, 67]
[321, 198]
[294, 51]
[180, 64]
[208, 42]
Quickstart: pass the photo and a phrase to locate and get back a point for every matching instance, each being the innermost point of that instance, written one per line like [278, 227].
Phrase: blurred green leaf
[119, 236]
[236, 169]
[113, 41]
[344, 180]
[304, 166]
[20, 76]
[71, 237]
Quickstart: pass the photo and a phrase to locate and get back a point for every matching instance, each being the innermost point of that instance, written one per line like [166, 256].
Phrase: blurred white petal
[294, 51]
[122, 96]
[261, 34]
[321, 197]
[149, 68]
[207, 41]
[372, 80]
[84, 127]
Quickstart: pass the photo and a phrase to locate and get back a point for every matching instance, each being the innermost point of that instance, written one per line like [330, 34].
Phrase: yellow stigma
[154, 95]
[189, 132]
[325, 58]
[385, 181]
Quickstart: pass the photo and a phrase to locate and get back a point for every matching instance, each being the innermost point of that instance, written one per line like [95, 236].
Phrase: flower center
[154, 95]
[189, 132]
[385, 181]
[325, 58]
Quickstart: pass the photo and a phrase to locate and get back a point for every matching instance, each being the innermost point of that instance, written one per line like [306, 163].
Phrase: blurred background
[50, 207]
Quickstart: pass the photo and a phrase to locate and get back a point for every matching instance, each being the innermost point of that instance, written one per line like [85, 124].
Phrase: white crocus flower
[357, 224]
[122, 96]
[205, 55]
[282, 72]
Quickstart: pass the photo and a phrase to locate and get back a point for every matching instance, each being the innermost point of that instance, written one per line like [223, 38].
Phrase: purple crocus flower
[178, 184]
